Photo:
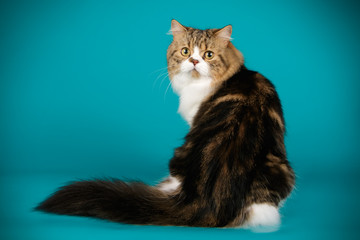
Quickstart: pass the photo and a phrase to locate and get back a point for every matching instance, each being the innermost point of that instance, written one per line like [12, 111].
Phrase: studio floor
[323, 206]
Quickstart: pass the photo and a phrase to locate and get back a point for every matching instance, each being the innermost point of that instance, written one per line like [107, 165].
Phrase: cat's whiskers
[163, 78]
[161, 69]
[156, 81]
[167, 90]
[161, 75]
[168, 86]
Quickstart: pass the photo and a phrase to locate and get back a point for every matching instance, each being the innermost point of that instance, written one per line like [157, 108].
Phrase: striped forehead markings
[199, 38]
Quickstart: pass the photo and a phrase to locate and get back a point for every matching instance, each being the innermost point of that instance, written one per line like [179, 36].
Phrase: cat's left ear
[224, 35]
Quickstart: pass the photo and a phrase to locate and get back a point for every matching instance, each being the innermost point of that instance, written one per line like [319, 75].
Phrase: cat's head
[202, 53]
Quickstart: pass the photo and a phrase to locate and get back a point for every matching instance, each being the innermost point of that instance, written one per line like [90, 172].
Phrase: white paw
[263, 218]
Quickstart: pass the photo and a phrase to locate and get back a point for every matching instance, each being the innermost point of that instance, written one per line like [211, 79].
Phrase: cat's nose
[194, 61]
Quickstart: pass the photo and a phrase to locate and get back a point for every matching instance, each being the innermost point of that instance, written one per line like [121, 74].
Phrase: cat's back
[248, 84]
[246, 91]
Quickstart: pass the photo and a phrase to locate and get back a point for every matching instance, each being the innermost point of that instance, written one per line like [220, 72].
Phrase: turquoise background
[83, 94]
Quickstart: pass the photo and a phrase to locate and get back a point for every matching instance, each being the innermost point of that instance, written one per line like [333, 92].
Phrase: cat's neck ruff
[192, 92]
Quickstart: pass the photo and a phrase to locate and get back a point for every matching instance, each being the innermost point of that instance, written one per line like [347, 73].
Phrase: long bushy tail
[115, 200]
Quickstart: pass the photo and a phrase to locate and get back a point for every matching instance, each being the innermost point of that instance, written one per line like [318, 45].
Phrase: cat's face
[201, 53]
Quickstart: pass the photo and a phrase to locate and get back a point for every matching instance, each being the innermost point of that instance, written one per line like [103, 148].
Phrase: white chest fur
[192, 92]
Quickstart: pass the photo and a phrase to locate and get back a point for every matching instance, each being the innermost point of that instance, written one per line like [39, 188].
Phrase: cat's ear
[177, 29]
[224, 35]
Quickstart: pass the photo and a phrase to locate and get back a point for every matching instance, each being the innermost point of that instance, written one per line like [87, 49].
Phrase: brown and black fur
[233, 156]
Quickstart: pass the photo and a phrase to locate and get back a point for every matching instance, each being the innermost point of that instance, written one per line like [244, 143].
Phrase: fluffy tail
[115, 200]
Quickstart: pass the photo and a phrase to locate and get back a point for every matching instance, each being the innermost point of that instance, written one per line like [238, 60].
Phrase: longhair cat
[232, 169]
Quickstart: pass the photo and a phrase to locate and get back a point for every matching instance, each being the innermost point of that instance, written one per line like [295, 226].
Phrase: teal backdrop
[84, 93]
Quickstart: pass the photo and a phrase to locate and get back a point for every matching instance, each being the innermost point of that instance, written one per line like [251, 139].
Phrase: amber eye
[185, 52]
[209, 55]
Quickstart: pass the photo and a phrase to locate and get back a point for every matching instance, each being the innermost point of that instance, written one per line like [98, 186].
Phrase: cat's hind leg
[169, 185]
[263, 217]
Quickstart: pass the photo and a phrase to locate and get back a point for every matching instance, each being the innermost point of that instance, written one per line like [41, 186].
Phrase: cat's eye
[209, 55]
[185, 52]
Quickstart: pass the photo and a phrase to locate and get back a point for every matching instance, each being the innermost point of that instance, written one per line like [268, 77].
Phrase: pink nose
[194, 61]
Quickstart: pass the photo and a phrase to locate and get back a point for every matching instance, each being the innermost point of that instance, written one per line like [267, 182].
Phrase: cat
[231, 171]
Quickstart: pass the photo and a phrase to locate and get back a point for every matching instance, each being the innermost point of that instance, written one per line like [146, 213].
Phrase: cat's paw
[263, 217]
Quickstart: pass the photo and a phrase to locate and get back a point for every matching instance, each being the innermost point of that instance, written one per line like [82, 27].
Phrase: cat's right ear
[177, 29]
